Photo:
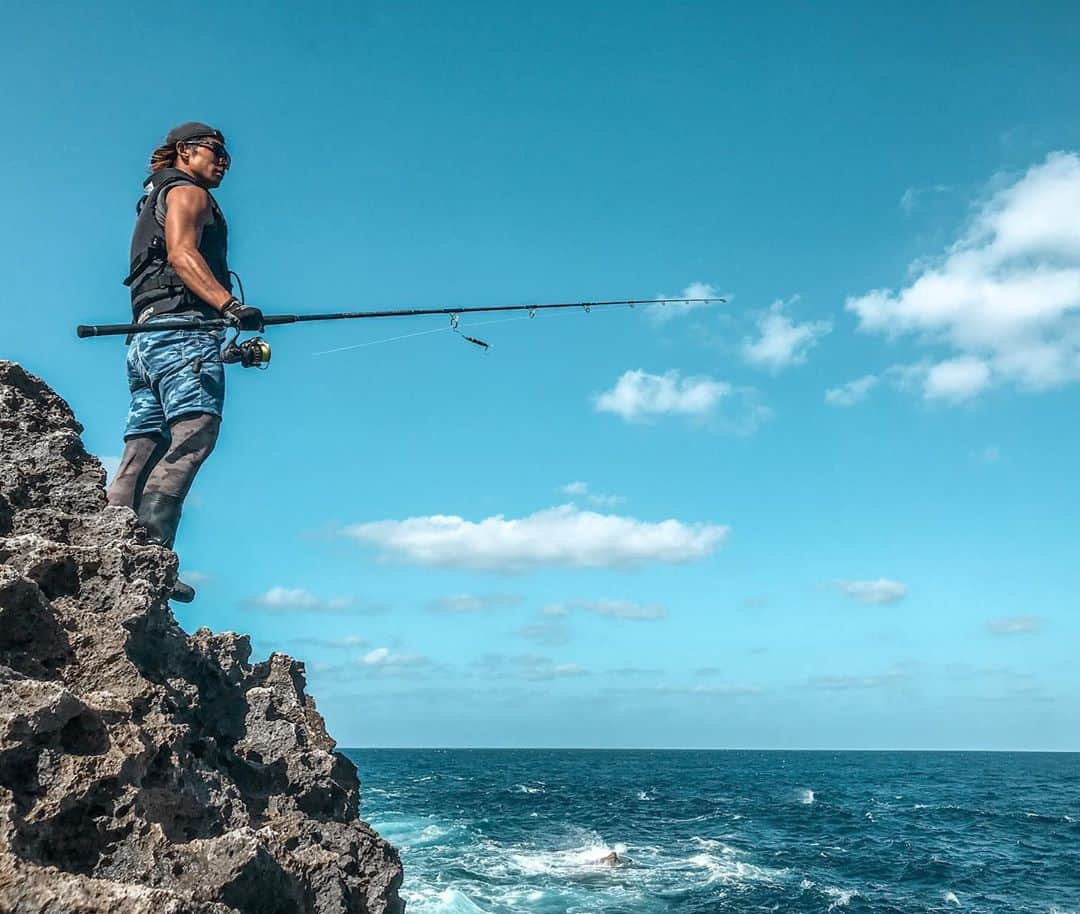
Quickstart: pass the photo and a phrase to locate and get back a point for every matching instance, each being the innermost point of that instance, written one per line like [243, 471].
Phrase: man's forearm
[192, 269]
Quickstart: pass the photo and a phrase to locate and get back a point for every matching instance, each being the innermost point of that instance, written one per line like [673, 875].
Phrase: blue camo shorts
[164, 387]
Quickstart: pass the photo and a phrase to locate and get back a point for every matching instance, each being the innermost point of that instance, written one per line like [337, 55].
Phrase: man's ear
[182, 152]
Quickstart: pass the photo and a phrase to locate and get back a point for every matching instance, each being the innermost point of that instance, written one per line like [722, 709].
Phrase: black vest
[152, 279]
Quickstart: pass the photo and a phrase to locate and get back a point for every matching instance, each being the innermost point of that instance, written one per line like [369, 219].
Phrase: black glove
[243, 317]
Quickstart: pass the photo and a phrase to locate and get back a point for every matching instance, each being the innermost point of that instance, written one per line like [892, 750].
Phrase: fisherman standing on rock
[179, 268]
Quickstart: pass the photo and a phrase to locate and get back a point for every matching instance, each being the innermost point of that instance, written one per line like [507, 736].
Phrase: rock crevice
[143, 769]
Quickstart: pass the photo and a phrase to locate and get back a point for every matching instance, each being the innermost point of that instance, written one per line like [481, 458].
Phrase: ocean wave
[528, 788]
[806, 796]
[417, 832]
[950, 898]
[444, 901]
[645, 795]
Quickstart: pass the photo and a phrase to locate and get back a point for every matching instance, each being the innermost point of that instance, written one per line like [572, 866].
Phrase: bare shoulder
[189, 197]
[188, 203]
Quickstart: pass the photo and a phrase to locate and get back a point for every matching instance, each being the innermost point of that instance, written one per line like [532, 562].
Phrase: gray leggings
[152, 464]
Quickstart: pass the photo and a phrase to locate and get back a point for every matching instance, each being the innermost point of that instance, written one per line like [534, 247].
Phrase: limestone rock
[143, 770]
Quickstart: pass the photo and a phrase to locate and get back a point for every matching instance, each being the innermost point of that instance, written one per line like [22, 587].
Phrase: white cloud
[623, 609]
[383, 658]
[782, 342]
[956, 380]
[1014, 625]
[880, 592]
[473, 603]
[662, 313]
[555, 609]
[639, 396]
[296, 599]
[852, 392]
[287, 598]
[575, 488]
[1004, 297]
[989, 454]
[564, 536]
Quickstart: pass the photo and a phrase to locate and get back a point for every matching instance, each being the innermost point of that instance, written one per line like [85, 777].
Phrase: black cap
[190, 131]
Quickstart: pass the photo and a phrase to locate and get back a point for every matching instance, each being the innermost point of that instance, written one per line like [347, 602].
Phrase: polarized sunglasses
[219, 151]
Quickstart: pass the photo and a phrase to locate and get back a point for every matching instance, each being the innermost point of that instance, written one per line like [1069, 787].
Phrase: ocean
[509, 831]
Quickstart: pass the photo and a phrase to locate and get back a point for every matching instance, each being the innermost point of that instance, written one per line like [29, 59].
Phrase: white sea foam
[566, 862]
[840, 897]
[806, 796]
[727, 871]
[950, 898]
[712, 844]
[645, 795]
[528, 788]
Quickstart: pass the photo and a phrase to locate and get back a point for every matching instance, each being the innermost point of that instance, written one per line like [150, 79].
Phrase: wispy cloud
[1004, 297]
[1014, 625]
[844, 683]
[852, 392]
[641, 397]
[297, 599]
[551, 632]
[111, 464]
[782, 342]
[622, 609]
[910, 198]
[663, 313]
[194, 578]
[881, 592]
[532, 667]
[475, 603]
[719, 690]
[556, 537]
[581, 490]
[345, 642]
[383, 660]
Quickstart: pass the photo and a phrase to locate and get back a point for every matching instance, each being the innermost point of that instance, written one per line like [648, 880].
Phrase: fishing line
[406, 336]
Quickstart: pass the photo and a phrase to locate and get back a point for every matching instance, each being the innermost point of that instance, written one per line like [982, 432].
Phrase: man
[179, 268]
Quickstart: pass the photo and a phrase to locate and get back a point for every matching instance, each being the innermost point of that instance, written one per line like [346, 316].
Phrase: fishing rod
[255, 352]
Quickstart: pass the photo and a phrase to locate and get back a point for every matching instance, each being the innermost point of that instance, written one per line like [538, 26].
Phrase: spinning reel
[253, 353]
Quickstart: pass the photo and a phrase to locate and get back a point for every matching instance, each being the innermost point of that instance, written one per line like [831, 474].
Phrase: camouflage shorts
[164, 387]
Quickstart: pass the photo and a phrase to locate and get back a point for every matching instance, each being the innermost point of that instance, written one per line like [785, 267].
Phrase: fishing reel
[253, 353]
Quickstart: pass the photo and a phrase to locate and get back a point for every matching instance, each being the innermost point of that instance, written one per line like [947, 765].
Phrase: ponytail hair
[163, 157]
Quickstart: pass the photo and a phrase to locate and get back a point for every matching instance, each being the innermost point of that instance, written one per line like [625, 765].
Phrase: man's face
[207, 159]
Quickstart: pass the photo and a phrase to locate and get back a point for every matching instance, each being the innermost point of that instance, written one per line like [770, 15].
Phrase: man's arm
[188, 211]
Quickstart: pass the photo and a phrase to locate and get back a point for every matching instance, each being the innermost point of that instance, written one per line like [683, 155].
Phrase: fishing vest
[152, 280]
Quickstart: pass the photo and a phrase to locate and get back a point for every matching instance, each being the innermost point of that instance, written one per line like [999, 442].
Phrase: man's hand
[243, 317]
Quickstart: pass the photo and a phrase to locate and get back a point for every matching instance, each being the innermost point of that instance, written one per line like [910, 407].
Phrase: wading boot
[160, 515]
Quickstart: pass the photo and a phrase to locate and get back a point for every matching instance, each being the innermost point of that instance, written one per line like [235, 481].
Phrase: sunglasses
[217, 150]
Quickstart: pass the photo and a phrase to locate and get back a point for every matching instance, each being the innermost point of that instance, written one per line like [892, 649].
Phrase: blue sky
[839, 511]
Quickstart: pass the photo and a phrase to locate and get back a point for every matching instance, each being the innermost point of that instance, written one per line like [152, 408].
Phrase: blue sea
[508, 831]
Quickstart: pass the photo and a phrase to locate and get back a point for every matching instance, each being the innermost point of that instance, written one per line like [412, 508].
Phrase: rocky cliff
[143, 769]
